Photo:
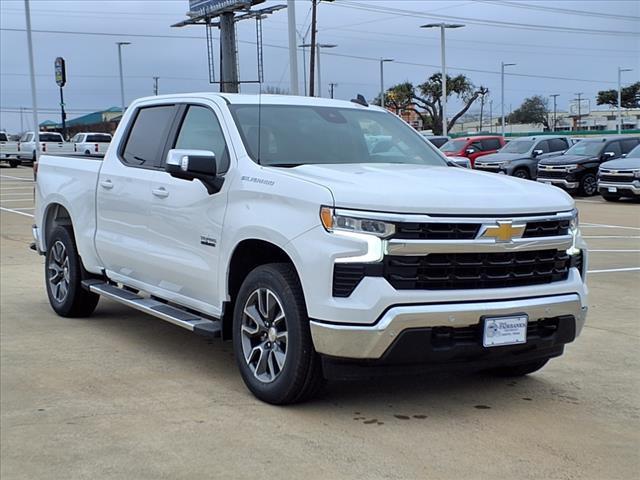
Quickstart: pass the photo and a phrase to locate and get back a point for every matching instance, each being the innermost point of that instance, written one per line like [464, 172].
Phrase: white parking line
[613, 251]
[591, 201]
[610, 236]
[630, 269]
[600, 225]
[15, 211]
[17, 178]
[27, 199]
[16, 194]
[4, 189]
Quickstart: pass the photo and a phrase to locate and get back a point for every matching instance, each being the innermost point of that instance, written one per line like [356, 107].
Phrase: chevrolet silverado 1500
[324, 238]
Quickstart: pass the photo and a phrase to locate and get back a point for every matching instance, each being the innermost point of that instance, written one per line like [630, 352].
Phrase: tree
[630, 96]
[425, 99]
[533, 110]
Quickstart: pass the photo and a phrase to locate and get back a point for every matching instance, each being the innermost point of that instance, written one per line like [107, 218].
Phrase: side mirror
[608, 155]
[537, 152]
[195, 165]
[470, 151]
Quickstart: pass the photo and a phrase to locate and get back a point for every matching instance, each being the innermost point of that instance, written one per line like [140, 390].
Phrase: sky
[559, 47]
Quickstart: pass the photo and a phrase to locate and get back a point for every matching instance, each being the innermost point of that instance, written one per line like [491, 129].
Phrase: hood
[501, 157]
[432, 190]
[565, 160]
[622, 164]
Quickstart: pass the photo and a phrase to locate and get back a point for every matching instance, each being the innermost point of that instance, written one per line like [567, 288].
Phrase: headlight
[571, 168]
[333, 222]
[574, 223]
[636, 174]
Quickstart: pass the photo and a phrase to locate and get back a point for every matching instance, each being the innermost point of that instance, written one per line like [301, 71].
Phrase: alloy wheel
[58, 268]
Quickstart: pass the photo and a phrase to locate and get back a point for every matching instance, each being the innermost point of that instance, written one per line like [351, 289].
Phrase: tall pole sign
[61, 80]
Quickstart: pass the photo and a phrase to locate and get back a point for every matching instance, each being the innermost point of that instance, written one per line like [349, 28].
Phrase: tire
[271, 337]
[520, 370]
[588, 185]
[87, 152]
[610, 198]
[522, 173]
[63, 276]
[14, 163]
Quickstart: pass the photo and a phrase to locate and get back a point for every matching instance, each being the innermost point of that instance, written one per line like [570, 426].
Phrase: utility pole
[155, 85]
[331, 87]
[579, 94]
[491, 116]
[229, 74]
[620, 70]
[120, 44]
[481, 110]
[443, 100]
[32, 75]
[502, 65]
[382, 61]
[312, 59]
[21, 121]
[555, 96]
[319, 72]
[293, 52]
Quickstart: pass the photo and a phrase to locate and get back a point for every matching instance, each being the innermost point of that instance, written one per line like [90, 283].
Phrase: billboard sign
[61, 73]
[208, 7]
[585, 107]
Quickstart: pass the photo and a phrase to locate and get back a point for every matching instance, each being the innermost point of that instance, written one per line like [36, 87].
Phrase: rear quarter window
[98, 138]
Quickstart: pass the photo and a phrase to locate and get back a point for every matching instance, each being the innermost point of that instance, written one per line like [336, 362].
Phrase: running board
[168, 313]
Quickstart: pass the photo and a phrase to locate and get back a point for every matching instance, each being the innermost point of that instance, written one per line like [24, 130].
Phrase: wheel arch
[55, 215]
[246, 256]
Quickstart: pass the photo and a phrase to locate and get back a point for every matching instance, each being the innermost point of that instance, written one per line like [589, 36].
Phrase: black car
[576, 170]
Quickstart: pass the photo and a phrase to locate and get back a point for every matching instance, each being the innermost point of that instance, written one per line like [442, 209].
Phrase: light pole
[502, 65]
[318, 47]
[443, 101]
[579, 95]
[120, 44]
[620, 70]
[293, 54]
[555, 96]
[382, 61]
[155, 85]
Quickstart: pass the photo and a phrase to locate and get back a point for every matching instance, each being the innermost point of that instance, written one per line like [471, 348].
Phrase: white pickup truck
[50, 142]
[8, 150]
[272, 221]
[91, 143]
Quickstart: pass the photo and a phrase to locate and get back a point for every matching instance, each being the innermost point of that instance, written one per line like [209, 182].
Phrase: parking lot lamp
[120, 44]
[554, 96]
[620, 70]
[382, 61]
[502, 65]
[443, 101]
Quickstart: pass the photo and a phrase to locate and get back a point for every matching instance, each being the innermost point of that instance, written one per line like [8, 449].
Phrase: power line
[482, 22]
[333, 54]
[565, 11]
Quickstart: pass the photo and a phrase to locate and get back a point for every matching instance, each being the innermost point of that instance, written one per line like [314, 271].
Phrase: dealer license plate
[613, 189]
[505, 330]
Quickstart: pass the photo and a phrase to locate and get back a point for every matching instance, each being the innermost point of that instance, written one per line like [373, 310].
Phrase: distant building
[105, 121]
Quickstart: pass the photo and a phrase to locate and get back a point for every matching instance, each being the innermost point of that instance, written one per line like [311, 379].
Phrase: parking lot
[123, 395]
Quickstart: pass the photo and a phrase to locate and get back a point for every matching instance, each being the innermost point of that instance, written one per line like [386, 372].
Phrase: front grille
[551, 174]
[488, 167]
[450, 271]
[616, 178]
[436, 231]
[546, 229]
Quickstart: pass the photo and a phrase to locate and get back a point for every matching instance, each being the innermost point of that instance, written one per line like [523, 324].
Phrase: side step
[177, 316]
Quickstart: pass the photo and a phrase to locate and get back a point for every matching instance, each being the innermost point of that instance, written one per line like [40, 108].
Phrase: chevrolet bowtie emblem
[504, 231]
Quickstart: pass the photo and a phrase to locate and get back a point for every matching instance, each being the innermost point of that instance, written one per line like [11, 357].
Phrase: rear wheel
[588, 185]
[522, 173]
[14, 163]
[87, 152]
[271, 337]
[63, 275]
[520, 370]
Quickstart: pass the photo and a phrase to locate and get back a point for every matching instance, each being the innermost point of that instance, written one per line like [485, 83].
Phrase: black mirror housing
[195, 165]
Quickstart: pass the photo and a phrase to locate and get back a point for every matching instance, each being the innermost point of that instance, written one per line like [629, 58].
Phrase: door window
[558, 144]
[613, 147]
[543, 145]
[201, 130]
[145, 144]
[490, 144]
[629, 144]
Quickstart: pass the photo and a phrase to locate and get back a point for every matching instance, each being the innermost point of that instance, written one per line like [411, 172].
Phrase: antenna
[360, 100]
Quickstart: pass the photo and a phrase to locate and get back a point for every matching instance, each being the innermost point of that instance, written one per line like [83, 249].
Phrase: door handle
[108, 184]
[160, 192]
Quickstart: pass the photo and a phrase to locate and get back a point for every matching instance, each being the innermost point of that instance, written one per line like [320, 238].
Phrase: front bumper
[633, 188]
[373, 342]
[561, 182]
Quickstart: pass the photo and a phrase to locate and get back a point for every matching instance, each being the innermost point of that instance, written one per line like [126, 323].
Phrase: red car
[472, 147]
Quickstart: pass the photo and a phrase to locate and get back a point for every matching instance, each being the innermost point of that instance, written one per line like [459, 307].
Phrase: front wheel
[271, 337]
[63, 275]
[14, 163]
[522, 173]
[588, 185]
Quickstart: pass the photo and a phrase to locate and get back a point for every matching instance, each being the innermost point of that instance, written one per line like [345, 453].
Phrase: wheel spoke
[279, 356]
[254, 315]
[282, 337]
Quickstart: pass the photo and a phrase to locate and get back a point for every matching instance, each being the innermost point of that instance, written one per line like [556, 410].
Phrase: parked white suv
[275, 222]
[91, 143]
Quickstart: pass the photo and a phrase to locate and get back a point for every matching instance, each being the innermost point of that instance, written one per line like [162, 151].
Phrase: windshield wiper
[283, 165]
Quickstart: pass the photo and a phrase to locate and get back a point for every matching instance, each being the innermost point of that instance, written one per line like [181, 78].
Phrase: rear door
[185, 221]
[124, 196]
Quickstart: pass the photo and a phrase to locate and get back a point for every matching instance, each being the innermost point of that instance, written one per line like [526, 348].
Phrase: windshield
[453, 146]
[635, 153]
[293, 135]
[517, 146]
[586, 147]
